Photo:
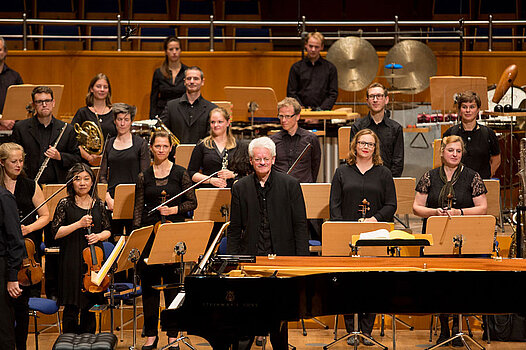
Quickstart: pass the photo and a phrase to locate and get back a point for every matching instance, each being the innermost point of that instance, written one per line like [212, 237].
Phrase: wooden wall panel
[130, 73]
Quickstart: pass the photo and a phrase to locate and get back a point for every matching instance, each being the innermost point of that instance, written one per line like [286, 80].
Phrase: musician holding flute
[80, 220]
[160, 182]
[363, 189]
[453, 189]
[28, 196]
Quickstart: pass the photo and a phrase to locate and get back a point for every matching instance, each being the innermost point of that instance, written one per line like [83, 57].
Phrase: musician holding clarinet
[80, 220]
[28, 196]
[363, 190]
[453, 189]
[160, 182]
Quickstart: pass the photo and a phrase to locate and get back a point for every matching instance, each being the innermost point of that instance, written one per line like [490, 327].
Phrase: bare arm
[43, 213]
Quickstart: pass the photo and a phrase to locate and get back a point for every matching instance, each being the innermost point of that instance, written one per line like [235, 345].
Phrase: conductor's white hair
[262, 142]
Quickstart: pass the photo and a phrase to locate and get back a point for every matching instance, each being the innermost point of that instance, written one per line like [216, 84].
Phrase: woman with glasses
[454, 190]
[161, 181]
[168, 80]
[97, 110]
[125, 157]
[363, 178]
[215, 152]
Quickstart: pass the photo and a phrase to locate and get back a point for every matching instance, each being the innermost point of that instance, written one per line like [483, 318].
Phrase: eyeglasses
[376, 96]
[259, 160]
[366, 144]
[281, 116]
[41, 102]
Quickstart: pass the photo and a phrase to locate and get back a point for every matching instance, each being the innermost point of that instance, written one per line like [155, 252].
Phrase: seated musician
[160, 181]
[258, 227]
[97, 110]
[80, 220]
[125, 157]
[452, 189]
[28, 196]
[363, 177]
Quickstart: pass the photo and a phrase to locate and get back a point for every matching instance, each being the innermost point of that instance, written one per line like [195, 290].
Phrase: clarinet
[44, 163]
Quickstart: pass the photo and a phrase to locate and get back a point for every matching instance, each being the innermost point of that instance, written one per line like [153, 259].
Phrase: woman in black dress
[70, 226]
[28, 196]
[452, 189]
[215, 152]
[363, 177]
[97, 110]
[162, 176]
[168, 80]
[125, 157]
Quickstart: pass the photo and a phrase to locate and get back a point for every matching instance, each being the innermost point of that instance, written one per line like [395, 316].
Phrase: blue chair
[222, 247]
[204, 44]
[124, 292]
[47, 307]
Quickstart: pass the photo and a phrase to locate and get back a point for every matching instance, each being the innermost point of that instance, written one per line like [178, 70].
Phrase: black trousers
[151, 298]
[21, 308]
[7, 319]
[444, 324]
[51, 273]
[366, 323]
[279, 338]
[70, 320]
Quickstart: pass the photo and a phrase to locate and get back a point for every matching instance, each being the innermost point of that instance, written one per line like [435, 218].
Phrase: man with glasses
[267, 216]
[313, 81]
[292, 140]
[389, 131]
[187, 116]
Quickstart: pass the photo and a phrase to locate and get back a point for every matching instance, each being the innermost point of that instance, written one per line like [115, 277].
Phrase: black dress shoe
[457, 343]
[153, 346]
[442, 338]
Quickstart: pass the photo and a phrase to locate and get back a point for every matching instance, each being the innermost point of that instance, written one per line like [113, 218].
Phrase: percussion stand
[357, 334]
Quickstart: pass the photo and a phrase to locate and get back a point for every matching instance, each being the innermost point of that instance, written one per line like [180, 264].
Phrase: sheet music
[99, 276]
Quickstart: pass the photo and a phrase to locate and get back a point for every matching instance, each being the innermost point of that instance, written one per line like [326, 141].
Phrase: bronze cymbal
[393, 76]
[356, 61]
[419, 64]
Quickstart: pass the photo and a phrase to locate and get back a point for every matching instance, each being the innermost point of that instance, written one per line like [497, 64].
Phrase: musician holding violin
[28, 196]
[453, 189]
[161, 181]
[80, 221]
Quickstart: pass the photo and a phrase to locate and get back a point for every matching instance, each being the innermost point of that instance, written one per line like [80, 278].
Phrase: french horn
[89, 137]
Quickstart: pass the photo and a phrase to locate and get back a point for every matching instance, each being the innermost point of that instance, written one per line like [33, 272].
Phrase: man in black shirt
[313, 81]
[8, 77]
[187, 116]
[482, 146]
[292, 140]
[389, 132]
[12, 251]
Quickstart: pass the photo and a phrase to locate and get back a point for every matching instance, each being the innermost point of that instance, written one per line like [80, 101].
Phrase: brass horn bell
[89, 137]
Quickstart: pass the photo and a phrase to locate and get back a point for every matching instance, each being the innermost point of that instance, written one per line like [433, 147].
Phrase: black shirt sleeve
[13, 241]
[397, 165]
[332, 89]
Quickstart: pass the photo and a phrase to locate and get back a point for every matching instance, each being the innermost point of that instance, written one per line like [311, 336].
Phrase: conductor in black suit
[187, 116]
[39, 134]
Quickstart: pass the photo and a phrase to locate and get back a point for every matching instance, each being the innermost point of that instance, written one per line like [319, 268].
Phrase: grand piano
[221, 308]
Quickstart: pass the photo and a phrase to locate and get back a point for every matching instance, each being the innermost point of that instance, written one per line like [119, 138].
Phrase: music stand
[251, 102]
[472, 234]
[50, 189]
[173, 241]
[128, 260]
[19, 96]
[123, 201]
[444, 88]
[212, 204]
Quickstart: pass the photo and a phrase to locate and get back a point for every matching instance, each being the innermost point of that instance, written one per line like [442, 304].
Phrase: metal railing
[395, 34]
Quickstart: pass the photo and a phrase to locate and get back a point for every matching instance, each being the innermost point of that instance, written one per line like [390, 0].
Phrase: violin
[93, 256]
[163, 218]
[31, 271]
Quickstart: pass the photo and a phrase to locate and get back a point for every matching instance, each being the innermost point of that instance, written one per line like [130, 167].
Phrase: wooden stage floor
[315, 339]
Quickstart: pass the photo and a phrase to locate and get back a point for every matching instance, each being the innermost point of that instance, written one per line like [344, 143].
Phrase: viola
[31, 271]
[93, 256]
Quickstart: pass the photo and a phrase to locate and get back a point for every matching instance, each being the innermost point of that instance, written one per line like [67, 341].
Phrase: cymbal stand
[356, 334]
[252, 108]
[134, 258]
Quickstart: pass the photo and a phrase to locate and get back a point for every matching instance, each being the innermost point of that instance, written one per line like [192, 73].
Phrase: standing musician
[452, 189]
[482, 152]
[38, 136]
[28, 196]
[75, 229]
[172, 179]
[168, 80]
[126, 156]
[187, 116]
[8, 77]
[97, 110]
[363, 189]
[11, 255]
[214, 152]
